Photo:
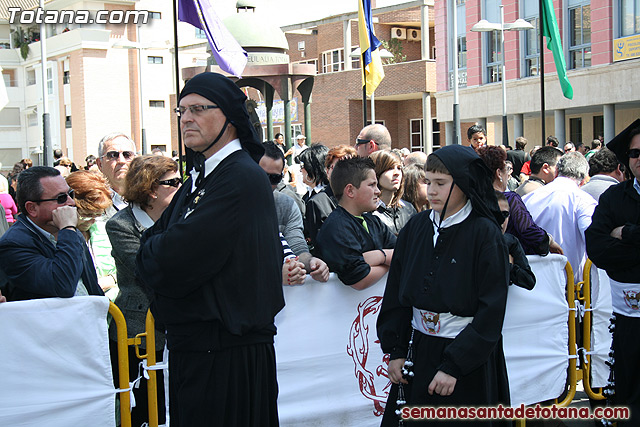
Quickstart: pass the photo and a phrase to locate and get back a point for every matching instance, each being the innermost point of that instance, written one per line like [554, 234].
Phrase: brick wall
[310, 48]
[336, 110]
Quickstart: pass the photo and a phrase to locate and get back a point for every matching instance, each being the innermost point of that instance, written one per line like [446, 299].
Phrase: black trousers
[232, 387]
[626, 348]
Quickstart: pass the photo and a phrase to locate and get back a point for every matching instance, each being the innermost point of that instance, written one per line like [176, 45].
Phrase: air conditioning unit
[413, 35]
[399, 33]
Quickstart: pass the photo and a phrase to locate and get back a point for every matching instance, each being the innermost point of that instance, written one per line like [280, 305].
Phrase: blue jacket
[35, 268]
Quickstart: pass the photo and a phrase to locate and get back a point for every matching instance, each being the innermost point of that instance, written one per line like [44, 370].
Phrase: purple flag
[229, 55]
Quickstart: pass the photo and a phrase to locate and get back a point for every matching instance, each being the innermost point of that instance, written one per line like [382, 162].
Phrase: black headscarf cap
[227, 95]
[473, 177]
[620, 143]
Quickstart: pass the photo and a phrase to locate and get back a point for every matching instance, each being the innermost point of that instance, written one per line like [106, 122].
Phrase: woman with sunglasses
[93, 197]
[149, 186]
[534, 240]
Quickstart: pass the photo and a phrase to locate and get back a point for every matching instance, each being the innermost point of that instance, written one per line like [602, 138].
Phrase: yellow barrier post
[123, 364]
[573, 375]
[151, 361]
[150, 355]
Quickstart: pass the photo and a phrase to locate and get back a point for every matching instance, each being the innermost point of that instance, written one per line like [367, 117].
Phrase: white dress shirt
[212, 162]
[564, 210]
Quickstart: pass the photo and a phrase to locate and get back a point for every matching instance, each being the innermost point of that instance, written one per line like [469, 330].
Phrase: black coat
[214, 258]
[35, 268]
[343, 239]
[618, 206]
[520, 273]
[395, 218]
[466, 274]
[318, 208]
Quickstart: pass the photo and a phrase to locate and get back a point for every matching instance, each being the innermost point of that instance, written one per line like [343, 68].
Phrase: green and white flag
[554, 44]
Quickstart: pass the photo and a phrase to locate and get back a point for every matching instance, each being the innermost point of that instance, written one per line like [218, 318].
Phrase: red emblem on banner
[367, 371]
[632, 299]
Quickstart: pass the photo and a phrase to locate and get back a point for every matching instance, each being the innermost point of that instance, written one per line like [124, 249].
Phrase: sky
[286, 12]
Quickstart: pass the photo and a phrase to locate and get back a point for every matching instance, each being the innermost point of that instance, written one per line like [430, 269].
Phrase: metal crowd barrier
[583, 293]
[123, 365]
[580, 291]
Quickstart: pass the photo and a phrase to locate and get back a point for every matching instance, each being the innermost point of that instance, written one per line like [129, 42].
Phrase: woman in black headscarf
[443, 308]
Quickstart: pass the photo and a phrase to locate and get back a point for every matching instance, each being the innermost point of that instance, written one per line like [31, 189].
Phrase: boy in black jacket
[355, 244]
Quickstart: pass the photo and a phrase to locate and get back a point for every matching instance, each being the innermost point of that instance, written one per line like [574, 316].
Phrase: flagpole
[177, 73]
[541, 71]
[456, 96]
[364, 93]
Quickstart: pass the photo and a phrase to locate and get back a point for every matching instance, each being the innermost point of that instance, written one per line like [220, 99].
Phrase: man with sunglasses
[289, 217]
[372, 138]
[213, 262]
[43, 254]
[613, 244]
[115, 152]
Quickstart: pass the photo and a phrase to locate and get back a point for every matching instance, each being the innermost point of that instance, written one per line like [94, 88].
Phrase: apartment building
[404, 101]
[600, 41]
[101, 78]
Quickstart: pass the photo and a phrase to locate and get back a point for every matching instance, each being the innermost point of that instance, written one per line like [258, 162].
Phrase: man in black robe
[213, 261]
[613, 244]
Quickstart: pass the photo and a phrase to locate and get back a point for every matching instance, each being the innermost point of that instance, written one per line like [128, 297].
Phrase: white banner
[56, 371]
[331, 371]
[536, 333]
[600, 335]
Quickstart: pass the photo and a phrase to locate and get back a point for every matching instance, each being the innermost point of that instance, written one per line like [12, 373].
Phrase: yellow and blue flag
[372, 72]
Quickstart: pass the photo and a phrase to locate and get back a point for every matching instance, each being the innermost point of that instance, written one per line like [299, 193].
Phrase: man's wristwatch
[70, 226]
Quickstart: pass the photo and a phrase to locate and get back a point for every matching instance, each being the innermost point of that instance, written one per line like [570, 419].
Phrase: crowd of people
[209, 253]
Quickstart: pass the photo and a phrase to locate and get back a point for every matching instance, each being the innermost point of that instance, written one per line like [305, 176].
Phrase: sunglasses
[360, 142]
[505, 214]
[275, 178]
[174, 182]
[60, 199]
[115, 155]
[634, 153]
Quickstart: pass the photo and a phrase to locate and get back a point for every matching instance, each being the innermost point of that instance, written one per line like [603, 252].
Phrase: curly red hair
[494, 157]
[92, 192]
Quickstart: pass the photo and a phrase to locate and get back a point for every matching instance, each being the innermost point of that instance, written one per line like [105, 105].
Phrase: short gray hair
[110, 137]
[573, 165]
[379, 133]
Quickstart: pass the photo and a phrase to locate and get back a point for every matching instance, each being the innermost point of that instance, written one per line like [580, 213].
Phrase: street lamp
[486, 26]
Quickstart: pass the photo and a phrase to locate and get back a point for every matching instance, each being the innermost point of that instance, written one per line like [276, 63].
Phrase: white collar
[118, 201]
[454, 219]
[143, 218]
[44, 232]
[315, 190]
[212, 162]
